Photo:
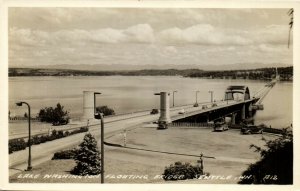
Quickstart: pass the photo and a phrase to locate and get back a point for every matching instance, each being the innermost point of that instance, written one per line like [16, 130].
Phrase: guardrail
[272, 130]
[23, 118]
[265, 129]
[186, 124]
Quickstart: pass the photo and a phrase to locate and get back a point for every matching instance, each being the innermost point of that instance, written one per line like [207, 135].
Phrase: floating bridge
[238, 104]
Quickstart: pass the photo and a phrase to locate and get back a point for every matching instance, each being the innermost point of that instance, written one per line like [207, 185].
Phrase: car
[220, 126]
[204, 106]
[162, 125]
[181, 111]
[196, 105]
[214, 105]
[251, 129]
[154, 111]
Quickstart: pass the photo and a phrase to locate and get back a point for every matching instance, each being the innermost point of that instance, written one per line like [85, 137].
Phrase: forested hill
[65, 72]
[286, 73]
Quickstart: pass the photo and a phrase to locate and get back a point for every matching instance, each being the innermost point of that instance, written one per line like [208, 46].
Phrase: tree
[276, 163]
[291, 23]
[88, 161]
[182, 171]
[105, 110]
[56, 116]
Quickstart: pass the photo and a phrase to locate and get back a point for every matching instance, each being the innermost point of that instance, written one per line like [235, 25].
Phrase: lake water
[134, 93]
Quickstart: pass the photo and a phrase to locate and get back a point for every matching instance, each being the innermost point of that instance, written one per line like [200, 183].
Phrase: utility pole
[173, 98]
[100, 116]
[29, 167]
[211, 95]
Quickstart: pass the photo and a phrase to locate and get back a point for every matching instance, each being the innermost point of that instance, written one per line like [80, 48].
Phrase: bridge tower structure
[88, 105]
[164, 118]
[234, 92]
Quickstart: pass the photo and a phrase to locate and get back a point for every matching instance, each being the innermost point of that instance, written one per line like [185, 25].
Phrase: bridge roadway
[113, 125]
[38, 128]
[42, 128]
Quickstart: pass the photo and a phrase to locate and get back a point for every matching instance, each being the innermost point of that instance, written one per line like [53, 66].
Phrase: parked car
[162, 125]
[196, 105]
[214, 105]
[63, 121]
[182, 111]
[204, 106]
[251, 129]
[220, 126]
[154, 111]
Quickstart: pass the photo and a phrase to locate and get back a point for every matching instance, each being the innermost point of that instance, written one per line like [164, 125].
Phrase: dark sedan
[252, 129]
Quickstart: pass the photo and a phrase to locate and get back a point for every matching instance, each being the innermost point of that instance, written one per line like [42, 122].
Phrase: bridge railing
[187, 124]
[23, 118]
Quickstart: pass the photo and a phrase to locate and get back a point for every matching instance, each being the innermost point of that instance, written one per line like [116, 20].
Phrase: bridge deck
[141, 117]
[210, 108]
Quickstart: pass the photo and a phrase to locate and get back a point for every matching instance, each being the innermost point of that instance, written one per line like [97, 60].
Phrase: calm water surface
[127, 94]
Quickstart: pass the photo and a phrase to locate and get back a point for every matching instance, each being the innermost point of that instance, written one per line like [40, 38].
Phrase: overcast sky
[49, 36]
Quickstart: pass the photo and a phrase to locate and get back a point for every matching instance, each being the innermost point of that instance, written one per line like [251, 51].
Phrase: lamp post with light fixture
[173, 98]
[99, 115]
[197, 96]
[211, 95]
[29, 167]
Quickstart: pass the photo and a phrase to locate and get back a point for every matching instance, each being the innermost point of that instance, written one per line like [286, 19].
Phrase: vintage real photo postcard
[146, 93]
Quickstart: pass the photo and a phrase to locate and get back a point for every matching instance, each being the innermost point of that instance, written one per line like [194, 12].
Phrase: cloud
[271, 34]
[24, 37]
[170, 50]
[202, 34]
[141, 43]
[142, 33]
[271, 49]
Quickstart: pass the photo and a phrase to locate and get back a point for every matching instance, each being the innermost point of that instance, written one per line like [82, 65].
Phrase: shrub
[35, 140]
[60, 134]
[56, 116]
[67, 133]
[105, 110]
[275, 165]
[154, 111]
[16, 145]
[87, 157]
[54, 132]
[66, 154]
[182, 171]
[82, 129]
[20, 144]
[44, 138]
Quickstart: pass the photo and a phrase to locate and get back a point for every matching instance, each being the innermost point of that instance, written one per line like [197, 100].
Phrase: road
[45, 151]
[18, 129]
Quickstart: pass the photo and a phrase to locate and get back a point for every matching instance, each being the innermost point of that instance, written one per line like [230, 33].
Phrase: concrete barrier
[22, 119]
[186, 124]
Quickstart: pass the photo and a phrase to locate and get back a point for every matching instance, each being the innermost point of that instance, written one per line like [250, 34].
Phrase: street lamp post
[197, 96]
[100, 116]
[29, 167]
[95, 93]
[211, 95]
[173, 98]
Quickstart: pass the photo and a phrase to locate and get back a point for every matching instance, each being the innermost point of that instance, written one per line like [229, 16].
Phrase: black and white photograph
[150, 95]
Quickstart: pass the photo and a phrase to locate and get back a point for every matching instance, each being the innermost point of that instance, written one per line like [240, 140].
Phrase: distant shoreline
[286, 73]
